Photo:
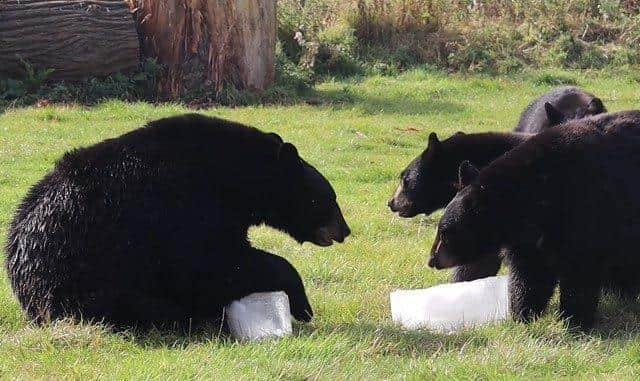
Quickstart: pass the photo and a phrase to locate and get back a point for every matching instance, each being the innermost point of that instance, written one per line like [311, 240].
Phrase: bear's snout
[401, 204]
[439, 262]
[397, 206]
[337, 230]
[326, 235]
[392, 203]
[433, 262]
[439, 259]
[345, 231]
[342, 231]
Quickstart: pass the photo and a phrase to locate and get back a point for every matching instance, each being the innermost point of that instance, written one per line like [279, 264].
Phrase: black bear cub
[572, 194]
[151, 227]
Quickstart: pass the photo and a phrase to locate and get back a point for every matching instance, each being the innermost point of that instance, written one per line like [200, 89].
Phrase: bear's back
[534, 118]
[584, 173]
[168, 162]
[190, 139]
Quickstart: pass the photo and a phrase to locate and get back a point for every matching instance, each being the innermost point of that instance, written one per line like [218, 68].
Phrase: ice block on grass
[259, 316]
[449, 307]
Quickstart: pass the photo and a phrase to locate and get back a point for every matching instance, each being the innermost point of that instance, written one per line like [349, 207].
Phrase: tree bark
[207, 44]
[78, 39]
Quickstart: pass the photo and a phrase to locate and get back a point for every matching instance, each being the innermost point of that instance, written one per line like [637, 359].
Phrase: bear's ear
[288, 155]
[434, 143]
[275, 137]
[596, 106]
[554, 116]
[467, 173]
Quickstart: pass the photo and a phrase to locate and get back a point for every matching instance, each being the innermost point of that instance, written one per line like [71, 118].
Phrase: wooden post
[78, 39]
[207, 44]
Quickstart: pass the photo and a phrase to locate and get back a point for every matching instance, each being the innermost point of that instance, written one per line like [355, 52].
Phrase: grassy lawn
[360, 134]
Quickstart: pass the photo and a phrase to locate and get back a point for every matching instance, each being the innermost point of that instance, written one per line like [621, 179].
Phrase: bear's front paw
[302, 312]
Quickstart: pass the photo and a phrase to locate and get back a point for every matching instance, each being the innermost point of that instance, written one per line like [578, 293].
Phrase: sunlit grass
[360, 136]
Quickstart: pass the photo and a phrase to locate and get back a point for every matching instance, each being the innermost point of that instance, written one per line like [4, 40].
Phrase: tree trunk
[78, 39]
[207, 44]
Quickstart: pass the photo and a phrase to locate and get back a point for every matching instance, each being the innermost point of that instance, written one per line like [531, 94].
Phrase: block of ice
[260, 315]
[449, 307]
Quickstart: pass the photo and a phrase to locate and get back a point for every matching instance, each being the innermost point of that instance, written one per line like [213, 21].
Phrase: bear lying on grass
[151, 227]
[572, 194]
[428, 182]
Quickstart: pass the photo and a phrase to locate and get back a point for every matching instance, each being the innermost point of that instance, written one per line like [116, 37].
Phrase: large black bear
[428, 182]
[558, 106]
[151, 227]
[565, 203]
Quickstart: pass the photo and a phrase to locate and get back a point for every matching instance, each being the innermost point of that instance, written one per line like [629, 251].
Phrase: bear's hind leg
[531, 284]
[579, 295]
[622, 282]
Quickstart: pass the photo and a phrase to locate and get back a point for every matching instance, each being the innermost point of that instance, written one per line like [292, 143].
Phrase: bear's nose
[391, 204]
[346, 231]
[433, 262]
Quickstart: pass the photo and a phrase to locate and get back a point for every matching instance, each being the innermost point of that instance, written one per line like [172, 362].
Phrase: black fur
[151, 227]
[430, 181]
[565, 204]
[558, 106]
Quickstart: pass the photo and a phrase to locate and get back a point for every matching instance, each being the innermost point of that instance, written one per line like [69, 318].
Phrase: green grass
[360, 134]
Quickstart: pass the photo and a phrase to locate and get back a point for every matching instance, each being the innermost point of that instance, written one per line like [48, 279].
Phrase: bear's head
[466, 231]
[427, 183]
[573, 106]
[306, 206]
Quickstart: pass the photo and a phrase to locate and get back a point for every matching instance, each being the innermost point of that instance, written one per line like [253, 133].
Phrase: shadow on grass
[391, 104]
[4, 106]
[407, 106]
[387, 339]
[617, 319]
[178, 336]
[618, 322]
[348, 97]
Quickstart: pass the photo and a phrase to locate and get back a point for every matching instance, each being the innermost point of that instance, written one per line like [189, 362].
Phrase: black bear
[558, 106]
[428, 182]
[425, 184]
[565, 203]
[151, 227]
